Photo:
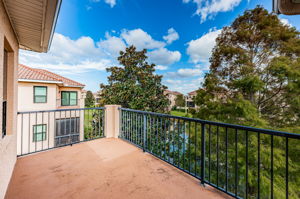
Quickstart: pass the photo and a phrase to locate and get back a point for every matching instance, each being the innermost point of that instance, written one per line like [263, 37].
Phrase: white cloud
[204, 66]
[84, 54]
[140, 39]
[75, 56]
[285, 22]
[185, 73]
[112, 45]
[183, 86]
[209, 8]
[163, 56]
[112, 3]
[200, 49]
[172, 36]
[161, 67]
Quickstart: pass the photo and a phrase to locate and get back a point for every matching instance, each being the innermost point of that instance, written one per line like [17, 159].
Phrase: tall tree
[255, 68]
[180, 101]
[89, 99]
[135, 85]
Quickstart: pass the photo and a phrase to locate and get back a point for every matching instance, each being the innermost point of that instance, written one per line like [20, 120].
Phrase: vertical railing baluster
[195, 163]
[99, 121]
[71, 133]
[145, 133]
[35, 134]
[247, 162]
[236, 162]
[48, 134]
[103, 122]
[22, 134]
[169, 139]
[209, 153]
[178, 143]
[189, 140]
[217, 155]
[29, 132]
[258, 165]
[272, 156]
[184, 143]
[43, 130]
[202, 153]
[226, 159]
[165, 139]
[286, 167]
[65, 121]
[151, 133]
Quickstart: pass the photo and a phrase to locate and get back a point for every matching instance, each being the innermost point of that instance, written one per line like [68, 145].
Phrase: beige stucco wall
[112, 121]
[8, 143]
[26, 101]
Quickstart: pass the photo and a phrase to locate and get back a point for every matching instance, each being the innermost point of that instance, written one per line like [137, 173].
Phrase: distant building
[97, 98]
[172, 95]
[190, 103]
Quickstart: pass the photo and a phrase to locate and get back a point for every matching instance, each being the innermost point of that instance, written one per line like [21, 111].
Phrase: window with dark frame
[39, 132]
[68, 98]
[40, 94]
[4, 102]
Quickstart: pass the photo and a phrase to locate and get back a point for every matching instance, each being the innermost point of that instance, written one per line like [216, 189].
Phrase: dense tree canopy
[135, 85]
[89, 99]
[254, 75]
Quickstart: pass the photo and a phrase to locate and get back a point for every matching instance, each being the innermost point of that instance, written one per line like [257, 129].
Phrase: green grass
[181, 114]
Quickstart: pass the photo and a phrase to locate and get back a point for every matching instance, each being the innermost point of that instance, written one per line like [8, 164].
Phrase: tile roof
[28, 73]
[193, 92]
[172, 92]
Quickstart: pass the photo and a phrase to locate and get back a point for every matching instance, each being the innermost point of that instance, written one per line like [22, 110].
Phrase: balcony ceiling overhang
[33, 22]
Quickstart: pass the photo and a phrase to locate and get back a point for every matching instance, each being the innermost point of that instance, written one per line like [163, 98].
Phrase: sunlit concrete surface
[104, 168]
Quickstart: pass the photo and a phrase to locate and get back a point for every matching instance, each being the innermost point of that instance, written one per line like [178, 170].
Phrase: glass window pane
[65, 98]
[73, 98]
[39, 132]
[39, 129]
[40, 91]
[40, 99]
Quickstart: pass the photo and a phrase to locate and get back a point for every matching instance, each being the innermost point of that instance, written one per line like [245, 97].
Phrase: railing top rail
[234, 126]
[57, 110]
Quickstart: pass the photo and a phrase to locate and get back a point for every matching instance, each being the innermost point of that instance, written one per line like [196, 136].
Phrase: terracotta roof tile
[26, 72]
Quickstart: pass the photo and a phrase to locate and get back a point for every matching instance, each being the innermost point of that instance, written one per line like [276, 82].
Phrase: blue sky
[178, 34]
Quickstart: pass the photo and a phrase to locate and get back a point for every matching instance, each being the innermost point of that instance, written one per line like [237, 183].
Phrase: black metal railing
[4, 118]
[243, 162]
[43, 130]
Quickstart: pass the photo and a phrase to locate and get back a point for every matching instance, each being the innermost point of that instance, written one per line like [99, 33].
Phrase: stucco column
[112, 121]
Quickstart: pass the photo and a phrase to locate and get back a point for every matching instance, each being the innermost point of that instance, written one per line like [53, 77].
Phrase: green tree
[89, 99]
[254, 80]
[135, 85]
[180, 101]
[254, 71]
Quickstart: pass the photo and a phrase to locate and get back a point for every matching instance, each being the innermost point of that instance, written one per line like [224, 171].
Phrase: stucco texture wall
[8, 147]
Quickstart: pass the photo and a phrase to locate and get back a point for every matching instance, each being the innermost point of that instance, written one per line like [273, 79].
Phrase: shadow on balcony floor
[104, 168]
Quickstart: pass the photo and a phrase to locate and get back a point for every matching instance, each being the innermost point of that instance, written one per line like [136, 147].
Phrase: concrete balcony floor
[104, 168]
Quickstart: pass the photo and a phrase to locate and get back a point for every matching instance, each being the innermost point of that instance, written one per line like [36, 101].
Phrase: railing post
[144, 133]
[112, 123]
[202, 153]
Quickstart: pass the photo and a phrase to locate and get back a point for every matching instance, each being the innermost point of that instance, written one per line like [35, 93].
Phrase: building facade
[42, 90]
